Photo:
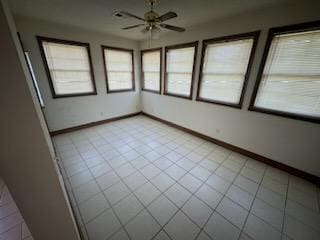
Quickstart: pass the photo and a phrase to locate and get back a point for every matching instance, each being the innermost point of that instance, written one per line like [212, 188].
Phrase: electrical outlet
[218, 131]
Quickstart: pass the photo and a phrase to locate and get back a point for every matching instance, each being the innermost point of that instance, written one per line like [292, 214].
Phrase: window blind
[119, 68]
[224, 69]
[179, 70]
[69, 68]
[151, 67]
[291, 76]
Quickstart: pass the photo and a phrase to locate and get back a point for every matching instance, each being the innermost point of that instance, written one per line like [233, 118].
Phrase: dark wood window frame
[40, 40]
[179, 46]
[205, 43]
[131, 51]
[296, 28]
[141, 66]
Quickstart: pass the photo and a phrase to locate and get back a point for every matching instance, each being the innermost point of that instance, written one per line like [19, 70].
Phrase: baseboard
[268, 161]
[92, 124]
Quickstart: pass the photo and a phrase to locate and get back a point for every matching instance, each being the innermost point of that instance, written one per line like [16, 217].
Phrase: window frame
[231, 38]
[296, 28]
[141, 66]
[131, 51]
[179, 46]
[42, 39]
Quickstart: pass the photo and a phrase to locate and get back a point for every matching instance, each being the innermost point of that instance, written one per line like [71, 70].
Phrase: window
[151, 70]
[180, 62]
[225, 67]
[118, 64]
[69, 68]
[289, 79]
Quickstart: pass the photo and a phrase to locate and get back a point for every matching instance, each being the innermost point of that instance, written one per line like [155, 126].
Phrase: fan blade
[167, 16]
[170, 27]
[126, 14]
[134, 26]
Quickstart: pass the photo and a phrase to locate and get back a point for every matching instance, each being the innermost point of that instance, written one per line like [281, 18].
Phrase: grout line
[223, 196]
[148, 181]
[132, 192]
[176, 181]
[102, 191]
[161, 192]
[157, 131]
[140, 186]
[21, 229]
[245, 222]
[17, 211]
[262, 185]
[178, 208]
[152, 162]
[213, 210]
[285, 206]
[13, 226]
[71, 190]
[93, 179]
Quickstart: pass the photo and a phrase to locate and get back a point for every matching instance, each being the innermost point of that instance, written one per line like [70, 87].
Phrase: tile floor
[12, 225]
[140, 179]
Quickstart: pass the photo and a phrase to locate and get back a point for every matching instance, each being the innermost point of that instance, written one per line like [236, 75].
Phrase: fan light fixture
[152, 21]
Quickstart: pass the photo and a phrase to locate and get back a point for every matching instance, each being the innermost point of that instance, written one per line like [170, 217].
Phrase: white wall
[26, 152]
[292, 142]
[73, 111]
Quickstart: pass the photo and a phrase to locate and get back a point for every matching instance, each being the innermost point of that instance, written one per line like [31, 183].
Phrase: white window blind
[119, 68]
[224, 69]
[291, 76]
[151, 67]
[179, 70]
[69, 68]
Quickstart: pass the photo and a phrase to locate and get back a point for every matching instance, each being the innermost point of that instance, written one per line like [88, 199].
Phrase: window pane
[291, 76]
[72, 81]
[224, 69]
[119, 80]
[151, 70]
[69, 68]
[224, 88]
[179, 70]
[179, 83]
[151, 81]
[119, 69]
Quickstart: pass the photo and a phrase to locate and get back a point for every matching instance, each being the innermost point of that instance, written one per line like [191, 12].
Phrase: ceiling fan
[153, 22]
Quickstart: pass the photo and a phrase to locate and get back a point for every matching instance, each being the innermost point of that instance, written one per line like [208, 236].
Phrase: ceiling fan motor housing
[151, 16]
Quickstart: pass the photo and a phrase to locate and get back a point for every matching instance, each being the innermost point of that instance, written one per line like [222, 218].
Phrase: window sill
[74, 95]
[121, 90]
[302, 117]
[233, 105]
[151, 91]
[178, 95]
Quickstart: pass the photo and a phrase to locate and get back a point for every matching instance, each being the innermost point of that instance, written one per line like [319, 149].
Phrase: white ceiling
[97, 14]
